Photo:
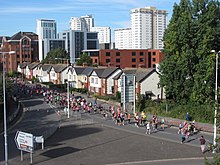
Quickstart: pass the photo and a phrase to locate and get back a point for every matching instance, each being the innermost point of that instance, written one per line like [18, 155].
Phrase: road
[89, 139]
[37, 118]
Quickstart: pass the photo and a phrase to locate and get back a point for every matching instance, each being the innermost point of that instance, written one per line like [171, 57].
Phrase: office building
[76, 41]
[46, 29]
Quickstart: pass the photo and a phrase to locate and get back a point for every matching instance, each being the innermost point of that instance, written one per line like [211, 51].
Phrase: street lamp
[68, 101]
[4, 95]
[216, 97]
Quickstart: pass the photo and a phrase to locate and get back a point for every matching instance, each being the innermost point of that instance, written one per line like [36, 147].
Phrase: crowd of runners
[119, 116]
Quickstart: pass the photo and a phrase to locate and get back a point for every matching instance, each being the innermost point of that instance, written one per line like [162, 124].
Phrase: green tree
[56, 56]
[187, 73]
[177, 71]
[84, 58]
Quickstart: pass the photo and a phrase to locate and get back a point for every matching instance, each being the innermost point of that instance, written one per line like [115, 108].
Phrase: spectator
[187, 116]
[202, 144]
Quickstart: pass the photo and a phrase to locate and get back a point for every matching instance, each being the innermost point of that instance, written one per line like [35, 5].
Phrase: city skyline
[22, 15]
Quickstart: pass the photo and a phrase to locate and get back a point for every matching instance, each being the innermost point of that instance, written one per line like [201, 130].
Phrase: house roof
[87, 71]
[20, 35]
[33, 65]
[59, 67]
[24, 64]
[99, 71]
[108, 72]
[140, 73]
[79, 70]
[104, 72]
[46, 67]
[118, 76]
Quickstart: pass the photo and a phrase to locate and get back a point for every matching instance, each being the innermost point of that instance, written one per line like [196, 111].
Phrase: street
[87, 139]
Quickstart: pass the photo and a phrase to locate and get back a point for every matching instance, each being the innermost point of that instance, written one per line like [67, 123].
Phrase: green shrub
[201, 113]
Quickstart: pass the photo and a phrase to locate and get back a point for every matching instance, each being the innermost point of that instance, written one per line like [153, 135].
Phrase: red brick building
[133, 58]
[25, 45]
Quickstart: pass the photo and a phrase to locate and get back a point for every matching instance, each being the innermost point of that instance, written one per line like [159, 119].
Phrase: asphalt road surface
[87, 139]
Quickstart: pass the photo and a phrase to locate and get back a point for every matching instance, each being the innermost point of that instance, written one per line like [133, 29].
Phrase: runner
[148, 128]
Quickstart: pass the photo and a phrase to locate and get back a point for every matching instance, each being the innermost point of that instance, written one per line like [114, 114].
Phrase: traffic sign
[24, 141]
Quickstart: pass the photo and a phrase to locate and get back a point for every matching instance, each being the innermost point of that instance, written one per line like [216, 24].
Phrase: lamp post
[4, 97]
[216, 98]
[68, 101]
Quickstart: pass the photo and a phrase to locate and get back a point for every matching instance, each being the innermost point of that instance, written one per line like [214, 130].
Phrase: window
[92, 80]
[96, 81]
[133, 59]
[141, 53]
[96, 60]
[117, 59]
[153, 59]
[133, 53]
[117, 53]
[107, 60]
[141, 60]
[107, 54]
[133, 66]
[154, 53]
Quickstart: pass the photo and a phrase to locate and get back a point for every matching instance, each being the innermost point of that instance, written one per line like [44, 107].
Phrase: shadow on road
[73, 132]
[58, 152]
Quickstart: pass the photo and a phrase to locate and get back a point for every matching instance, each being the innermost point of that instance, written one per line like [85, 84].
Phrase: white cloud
[91, 5]
[34, 9]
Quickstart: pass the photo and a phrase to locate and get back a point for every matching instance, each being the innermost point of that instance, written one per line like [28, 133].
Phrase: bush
[79, 90]
[201, 113]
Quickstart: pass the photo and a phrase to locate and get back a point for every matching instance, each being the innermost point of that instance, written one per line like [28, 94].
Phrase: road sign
[39, 139]
[24, 141]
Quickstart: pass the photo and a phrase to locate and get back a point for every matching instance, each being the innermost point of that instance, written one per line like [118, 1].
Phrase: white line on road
[162, 160]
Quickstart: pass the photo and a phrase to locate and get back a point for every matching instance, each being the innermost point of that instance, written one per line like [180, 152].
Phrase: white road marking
[161, 160]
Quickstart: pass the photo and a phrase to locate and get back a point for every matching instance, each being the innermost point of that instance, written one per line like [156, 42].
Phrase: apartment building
[104, 34]
[86, 23]
[131, 58]
[146, 32]
[123, 38]
[147, 27]
[83, 23]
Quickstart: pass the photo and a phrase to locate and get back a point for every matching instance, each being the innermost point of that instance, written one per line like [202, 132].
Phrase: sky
[21, 15]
